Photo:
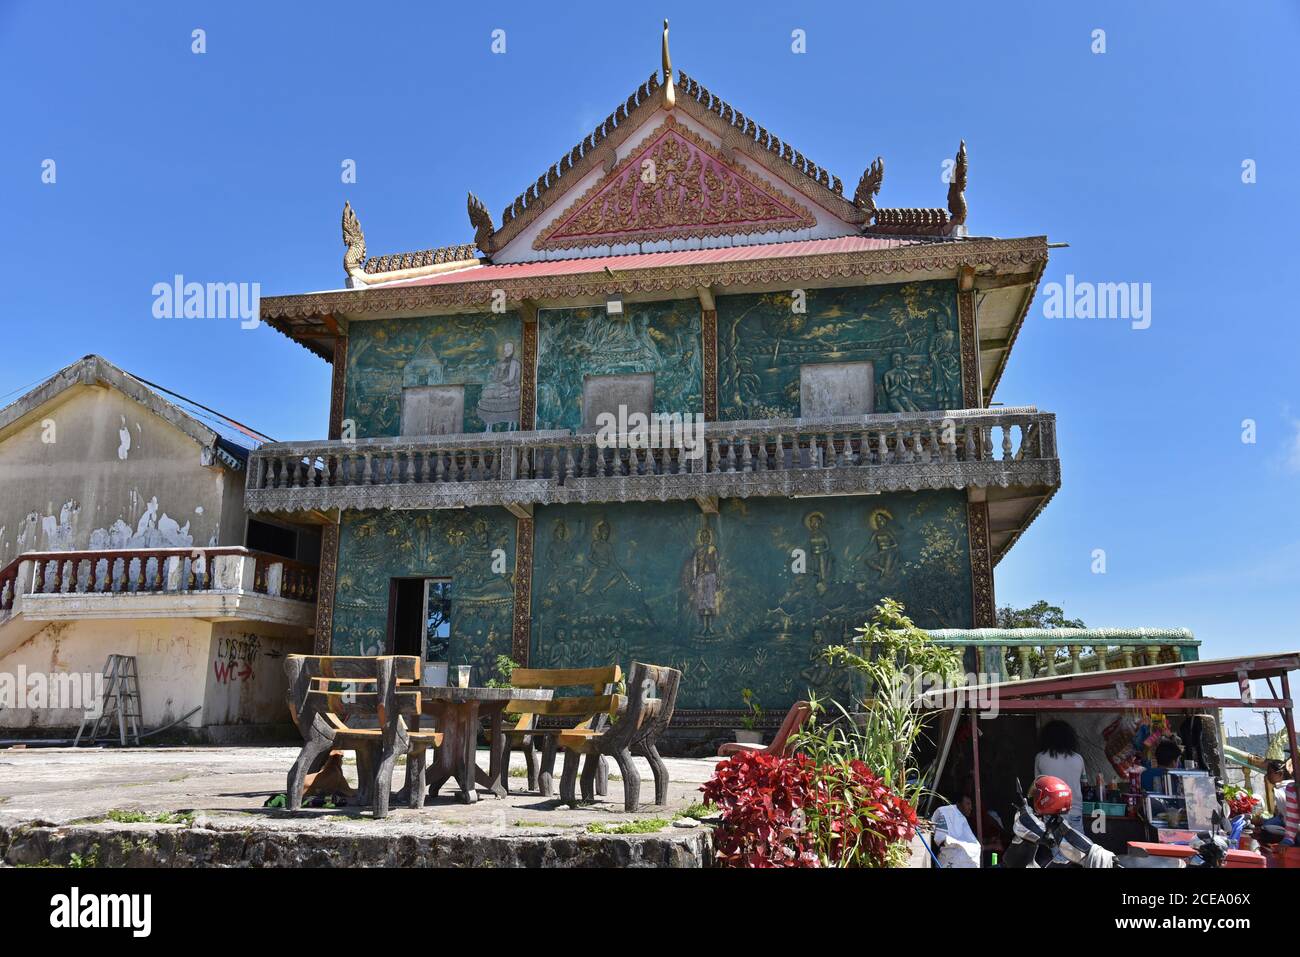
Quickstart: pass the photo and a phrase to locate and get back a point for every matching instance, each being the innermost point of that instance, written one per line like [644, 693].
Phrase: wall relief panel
[460, 544]
[657, 337]
[908, 332]
[746, 598]
[479, 352]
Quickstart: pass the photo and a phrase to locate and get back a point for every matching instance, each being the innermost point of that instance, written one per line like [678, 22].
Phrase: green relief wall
[658, 337]
[908, 332]
[717, 596]
[375, 547]
[384, 355]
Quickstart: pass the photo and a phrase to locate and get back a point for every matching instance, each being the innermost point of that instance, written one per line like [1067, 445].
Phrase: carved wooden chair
[367, 705]
[590, 712]
[795, 719]
[651, 698]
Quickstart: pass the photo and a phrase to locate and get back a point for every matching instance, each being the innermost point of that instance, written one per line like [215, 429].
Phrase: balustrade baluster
[1049, 654]
[1025, 669]
[1006, 442]
[1075, 667]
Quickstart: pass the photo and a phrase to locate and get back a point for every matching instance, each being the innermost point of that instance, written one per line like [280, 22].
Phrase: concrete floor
[228, 785]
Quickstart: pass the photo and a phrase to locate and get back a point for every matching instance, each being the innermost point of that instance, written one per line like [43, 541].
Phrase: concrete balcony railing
[979, 448]
[1018, 654]
[154, 571]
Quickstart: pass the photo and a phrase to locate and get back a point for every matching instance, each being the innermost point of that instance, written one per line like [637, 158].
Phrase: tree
[1038, 615]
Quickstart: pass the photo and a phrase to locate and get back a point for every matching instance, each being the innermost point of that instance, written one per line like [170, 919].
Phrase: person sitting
[993, 843]
[1272, 797]
[1168, 753]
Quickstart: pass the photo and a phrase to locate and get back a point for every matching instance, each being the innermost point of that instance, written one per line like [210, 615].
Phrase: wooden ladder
[121, 704]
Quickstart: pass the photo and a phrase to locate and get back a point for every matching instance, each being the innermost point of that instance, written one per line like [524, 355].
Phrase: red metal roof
[684, 257]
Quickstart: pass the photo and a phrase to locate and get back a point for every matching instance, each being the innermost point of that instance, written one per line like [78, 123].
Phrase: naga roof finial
[481, 220]
[957, 188]
[670, 96]
[869, 188]
[354, 257]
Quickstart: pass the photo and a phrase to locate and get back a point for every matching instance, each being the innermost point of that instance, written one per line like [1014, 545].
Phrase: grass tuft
[646, 825]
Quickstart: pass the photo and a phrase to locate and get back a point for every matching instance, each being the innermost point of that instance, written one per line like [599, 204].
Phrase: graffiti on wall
[747, 598]
[475, 548]
[908, 332]
[479, 352]
[658, 337]
[235, 658]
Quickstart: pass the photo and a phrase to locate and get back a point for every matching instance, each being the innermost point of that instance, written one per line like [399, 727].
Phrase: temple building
[821, 370]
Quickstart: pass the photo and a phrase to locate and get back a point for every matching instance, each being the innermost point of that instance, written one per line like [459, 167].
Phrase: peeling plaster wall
[171, 658]
[234, 671]
[114, 476]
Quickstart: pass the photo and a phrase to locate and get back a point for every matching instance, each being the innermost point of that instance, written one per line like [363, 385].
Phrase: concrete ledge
[211, 843]
[209, 606]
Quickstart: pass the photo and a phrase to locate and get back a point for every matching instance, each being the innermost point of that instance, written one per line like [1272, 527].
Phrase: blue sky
[225, 166]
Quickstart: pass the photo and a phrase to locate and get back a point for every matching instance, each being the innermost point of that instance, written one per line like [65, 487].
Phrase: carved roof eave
[301, 317]
[718, 116]
[1016, 326]
[1029, 520]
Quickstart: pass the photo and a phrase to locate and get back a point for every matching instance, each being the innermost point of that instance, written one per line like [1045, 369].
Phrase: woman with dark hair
[1059, 757]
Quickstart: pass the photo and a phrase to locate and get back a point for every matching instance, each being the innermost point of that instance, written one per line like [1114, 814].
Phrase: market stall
[1125, 714]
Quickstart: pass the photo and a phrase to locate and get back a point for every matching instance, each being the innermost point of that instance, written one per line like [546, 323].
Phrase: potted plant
[748, 732]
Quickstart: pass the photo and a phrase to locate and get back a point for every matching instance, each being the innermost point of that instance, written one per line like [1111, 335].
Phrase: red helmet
[1051, 796]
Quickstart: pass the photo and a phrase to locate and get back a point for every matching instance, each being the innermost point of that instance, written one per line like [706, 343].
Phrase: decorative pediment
[674, 184]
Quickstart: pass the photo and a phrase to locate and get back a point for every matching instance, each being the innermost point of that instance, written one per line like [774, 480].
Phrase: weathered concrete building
[122, 530]
[680, 261]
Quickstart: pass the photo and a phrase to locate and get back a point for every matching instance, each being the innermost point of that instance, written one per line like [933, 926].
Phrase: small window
[836, 388]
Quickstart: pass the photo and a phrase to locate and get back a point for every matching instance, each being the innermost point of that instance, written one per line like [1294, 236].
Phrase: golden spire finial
[670, 97]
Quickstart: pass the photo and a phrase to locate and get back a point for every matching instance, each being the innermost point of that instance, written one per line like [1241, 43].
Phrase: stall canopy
[1183, 681]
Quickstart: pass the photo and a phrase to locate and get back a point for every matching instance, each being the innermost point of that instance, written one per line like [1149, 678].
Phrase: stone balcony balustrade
[993, 449]
[154, 571]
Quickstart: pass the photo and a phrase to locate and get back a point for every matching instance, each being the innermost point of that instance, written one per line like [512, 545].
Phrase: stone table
[456, 713]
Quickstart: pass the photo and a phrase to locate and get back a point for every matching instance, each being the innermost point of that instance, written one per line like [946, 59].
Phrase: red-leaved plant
[761, 798]
[793, 812]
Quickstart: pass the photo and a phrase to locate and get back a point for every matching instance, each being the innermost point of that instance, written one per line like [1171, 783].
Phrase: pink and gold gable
[674, 185]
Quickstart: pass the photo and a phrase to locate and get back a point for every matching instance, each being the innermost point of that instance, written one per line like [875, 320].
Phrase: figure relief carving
[881, 553]
[703, 580]
[498, 404]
